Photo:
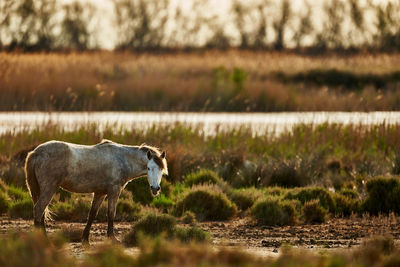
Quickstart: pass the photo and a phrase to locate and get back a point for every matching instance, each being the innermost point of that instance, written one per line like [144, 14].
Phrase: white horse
[102, 169]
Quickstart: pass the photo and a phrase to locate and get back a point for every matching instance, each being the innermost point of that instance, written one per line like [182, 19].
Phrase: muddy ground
[336, 233]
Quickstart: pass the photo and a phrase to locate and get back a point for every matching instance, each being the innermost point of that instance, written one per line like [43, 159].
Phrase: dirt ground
[336, 233]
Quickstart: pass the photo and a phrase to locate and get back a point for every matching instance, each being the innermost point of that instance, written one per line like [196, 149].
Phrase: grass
[206, 81]
[19, 248]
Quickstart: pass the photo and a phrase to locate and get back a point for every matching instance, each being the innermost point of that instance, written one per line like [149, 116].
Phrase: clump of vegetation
[152, 225]
[21, 208]
[127, 210]
[155, 225]
[345, 206]
[244, 198]
[162, 202]
[141, 193]
[350, 193]
[3, 186]
[189, 217]
[383, 196]
[325, 198]
[207, 202]
[191, 234]
[288, 174]
[4, 202]
[16, 193]
[313, 212]
[32, 248]
[274, 212]
[202, 176]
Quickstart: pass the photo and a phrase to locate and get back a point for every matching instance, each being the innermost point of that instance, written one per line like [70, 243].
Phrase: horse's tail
[31, 179]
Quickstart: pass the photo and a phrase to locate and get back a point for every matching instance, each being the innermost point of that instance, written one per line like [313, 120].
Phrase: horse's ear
[149, 155]
[163, 154]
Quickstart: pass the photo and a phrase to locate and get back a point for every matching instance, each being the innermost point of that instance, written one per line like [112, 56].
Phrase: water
[259, 123]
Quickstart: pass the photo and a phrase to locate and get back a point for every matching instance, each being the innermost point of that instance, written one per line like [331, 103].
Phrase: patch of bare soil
[336, 233]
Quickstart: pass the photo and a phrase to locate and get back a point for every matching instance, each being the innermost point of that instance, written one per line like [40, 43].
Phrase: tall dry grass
[211, 80]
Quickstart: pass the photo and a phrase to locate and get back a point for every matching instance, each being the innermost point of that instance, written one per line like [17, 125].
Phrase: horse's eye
[148, 169]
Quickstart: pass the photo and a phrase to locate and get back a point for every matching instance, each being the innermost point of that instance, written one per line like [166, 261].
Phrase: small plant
[127, 210]
[203, 176]
[244, 198]
[22, 208]
[383, 196]
[350, 193]
[16, 193]
[307, 194]
[140, 190]
[272, 211]
[189, 217]
[152, 225]
[208, 203]
[162, 202]
[313, 212]
[191, 234]
[3, 186]
[4, 202]
[345, 206]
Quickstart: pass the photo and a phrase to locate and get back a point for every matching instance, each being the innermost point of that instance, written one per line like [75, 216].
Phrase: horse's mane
[156, 156]
[153, 149]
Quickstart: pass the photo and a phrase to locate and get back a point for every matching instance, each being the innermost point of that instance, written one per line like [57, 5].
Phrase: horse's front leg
[97, 200]
[113, 196]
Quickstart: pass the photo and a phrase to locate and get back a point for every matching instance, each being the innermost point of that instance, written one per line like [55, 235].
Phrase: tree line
[157, 25]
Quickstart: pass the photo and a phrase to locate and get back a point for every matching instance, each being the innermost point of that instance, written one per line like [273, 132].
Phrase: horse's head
[156, 167]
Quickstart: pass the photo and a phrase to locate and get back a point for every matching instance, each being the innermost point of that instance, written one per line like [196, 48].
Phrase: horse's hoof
[85, 243]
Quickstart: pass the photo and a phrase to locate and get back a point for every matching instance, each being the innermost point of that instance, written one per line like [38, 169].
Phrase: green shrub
[383, 196]
[17, 193]
[191, 234]
[203, 176]
[63, 211]
[314, 212]
[272, 211]
[151, 225]
[14, 175]
[345, 206]
[162, 202]
[189, 217]
[127, 210]
[4, 202]
[244, 198]
[140, 190]
[310, 193]
[3, 186]
[207, 202]
[22, 208]
[350, 193]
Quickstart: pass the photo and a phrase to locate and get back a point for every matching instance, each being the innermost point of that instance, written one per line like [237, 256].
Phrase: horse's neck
[137, 161]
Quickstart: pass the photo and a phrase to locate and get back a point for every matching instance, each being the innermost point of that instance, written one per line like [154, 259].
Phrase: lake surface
[259, 123]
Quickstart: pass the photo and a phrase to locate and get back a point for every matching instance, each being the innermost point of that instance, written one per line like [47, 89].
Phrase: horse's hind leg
[113, 196]
[97, 200]
[41, 205]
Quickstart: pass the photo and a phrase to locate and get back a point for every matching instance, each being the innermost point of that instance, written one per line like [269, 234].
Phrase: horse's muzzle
[155, 190]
